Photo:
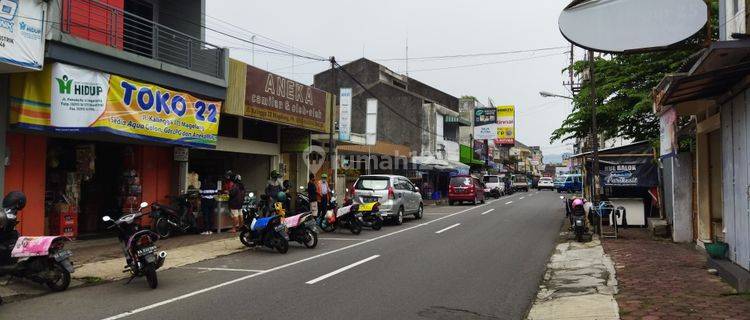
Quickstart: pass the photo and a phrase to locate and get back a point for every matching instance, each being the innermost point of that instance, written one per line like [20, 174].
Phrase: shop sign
[506, 125]
[345, 114]
[630, 175]
[66, 98]
[485, 123]
[294, 140]
[273, 98]
[181, 154]
[21, 35]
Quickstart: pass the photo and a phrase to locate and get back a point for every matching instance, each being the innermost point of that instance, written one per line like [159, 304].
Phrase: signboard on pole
[345, 114]
[485, 123]
[372, 122]
[21, 35]
[506, 125]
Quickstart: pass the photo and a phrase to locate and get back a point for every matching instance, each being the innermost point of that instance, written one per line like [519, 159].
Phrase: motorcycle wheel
[62, 278]
[310, 239]
[328, 227]
[355, 227]
[163, 228]
[150, 272]
[282, 246]
[245, 238]
[377, 224]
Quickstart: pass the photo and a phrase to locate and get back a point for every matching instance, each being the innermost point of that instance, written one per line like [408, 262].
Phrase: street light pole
[594, 132]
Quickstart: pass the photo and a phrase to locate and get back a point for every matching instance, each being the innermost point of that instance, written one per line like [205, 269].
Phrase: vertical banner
[372, 122]
[345, 114]
[667, 127]
[485, 123]
[506, 124]
[21, 35]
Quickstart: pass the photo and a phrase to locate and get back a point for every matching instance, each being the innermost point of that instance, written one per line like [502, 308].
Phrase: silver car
[397, 196]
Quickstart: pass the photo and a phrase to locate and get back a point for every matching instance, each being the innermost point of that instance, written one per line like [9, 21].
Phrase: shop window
[228, 126]
[259, 131]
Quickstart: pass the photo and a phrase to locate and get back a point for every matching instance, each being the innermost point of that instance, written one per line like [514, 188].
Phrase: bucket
[717, 250]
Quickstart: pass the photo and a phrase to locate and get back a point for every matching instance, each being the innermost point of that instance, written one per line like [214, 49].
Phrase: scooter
[171, 219]
[40, 259]
[578, 222]
[344, 217]
[269, 231]
[138, 246]
[370, 215]
[302, 229]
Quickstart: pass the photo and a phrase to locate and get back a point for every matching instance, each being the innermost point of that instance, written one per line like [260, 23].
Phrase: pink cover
[292, 222]
[32, 246]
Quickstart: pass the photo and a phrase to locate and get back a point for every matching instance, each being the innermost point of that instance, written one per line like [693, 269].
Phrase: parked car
[493, 186]
[520, 183]
[396, 194]
[572, 183]
[545, 183]
[465, 188]
[560, 181]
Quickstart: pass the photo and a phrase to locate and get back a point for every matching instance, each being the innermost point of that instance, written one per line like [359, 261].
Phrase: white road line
[488, 211]
[340, 270]
[445, 229]
[521, 198]
[283, 266]
[221, 269]
[509, 202]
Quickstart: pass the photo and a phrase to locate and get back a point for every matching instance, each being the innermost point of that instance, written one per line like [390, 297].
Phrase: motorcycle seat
[167, 208]
[261, 223]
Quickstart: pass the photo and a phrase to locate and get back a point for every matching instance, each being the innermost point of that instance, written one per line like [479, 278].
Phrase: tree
[624, 84]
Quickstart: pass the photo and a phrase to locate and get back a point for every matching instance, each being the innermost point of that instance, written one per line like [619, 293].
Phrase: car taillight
[391, 194]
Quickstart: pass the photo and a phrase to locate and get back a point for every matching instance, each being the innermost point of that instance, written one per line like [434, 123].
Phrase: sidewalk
[102, 260]
[659, 279]
[579, 284]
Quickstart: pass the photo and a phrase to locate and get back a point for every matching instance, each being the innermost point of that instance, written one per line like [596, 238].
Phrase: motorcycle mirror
[106, 219]
[251, 194]
[144, 204]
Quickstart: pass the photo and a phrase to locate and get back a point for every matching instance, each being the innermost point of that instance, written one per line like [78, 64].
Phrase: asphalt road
[459, 262]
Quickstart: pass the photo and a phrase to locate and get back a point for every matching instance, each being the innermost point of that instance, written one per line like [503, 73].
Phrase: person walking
[312, 195]
[209, 191]
[236, 198]
[324, 196]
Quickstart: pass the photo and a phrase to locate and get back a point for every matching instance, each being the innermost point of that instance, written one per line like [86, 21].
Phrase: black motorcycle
[345, 217]
[40, 259]
[263, 231]
[578, 223]
[369, 214]
[179, 218]
[139, 246]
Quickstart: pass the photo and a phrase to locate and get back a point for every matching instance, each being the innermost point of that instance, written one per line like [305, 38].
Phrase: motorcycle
[344, 217]
[578, 222]
[371, 217]
[269, 231]
[302, 229]
[138, 246]
[180, 219]
[40, 259]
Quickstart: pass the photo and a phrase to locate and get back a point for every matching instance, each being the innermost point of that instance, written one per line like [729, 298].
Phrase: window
[491, 179]
[460, 181]
[259, 131]
[228, 126]
[372, 183]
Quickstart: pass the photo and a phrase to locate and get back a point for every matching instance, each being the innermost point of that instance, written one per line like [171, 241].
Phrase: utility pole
[331, 147]
[594, 132]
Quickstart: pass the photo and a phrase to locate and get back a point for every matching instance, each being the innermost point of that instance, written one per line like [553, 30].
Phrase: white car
[545, 183]
[493, 186]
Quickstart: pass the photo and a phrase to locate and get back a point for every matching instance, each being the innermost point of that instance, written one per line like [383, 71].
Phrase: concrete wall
[681, 201]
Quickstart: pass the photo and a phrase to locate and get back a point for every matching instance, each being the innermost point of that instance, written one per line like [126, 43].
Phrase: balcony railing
[114, 27]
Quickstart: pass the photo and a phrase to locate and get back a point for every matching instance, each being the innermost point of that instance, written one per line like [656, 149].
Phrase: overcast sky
[379, 30]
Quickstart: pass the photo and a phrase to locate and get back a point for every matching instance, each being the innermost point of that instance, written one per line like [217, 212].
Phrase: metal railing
[102, 23]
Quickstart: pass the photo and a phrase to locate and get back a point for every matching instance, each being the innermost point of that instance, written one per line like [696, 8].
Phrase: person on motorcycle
[274, 186]
[324, 197]
[236, 199]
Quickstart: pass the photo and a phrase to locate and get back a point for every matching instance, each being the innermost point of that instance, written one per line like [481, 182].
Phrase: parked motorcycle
[138, 246]
[578, 221]
[302, 229]
[370, 214]
[40, 259]
[180, 219]
[344, 217]
[266, 231]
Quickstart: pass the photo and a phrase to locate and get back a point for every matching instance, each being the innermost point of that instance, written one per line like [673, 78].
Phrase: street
[458, 262]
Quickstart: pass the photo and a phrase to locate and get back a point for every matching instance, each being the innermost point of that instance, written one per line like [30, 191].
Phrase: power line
[472, 55]
[486, 63]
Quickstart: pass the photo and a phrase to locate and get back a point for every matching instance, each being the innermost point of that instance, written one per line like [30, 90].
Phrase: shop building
[101, 124]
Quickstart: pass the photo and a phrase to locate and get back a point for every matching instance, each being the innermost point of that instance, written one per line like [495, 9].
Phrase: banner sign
[371, 122]
[485, 123]
[273, 98]
[630, 175]
[667, 138]
[75, 99]
[506, 125]
[21, 35]
[345, 114]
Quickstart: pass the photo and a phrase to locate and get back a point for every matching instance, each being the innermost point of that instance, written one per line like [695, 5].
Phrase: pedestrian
[209, 191]
[236, 198]
[312, 195]
[324, 196]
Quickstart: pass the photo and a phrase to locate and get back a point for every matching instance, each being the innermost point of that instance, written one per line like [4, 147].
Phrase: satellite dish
[617, 26]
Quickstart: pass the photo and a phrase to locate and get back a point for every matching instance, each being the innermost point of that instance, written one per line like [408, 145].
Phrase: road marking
[521, 198]
[340, 270]
[488, 211]
[284, 266]
[221, 269]
[509, 202]
[446, 229]
[342, 239]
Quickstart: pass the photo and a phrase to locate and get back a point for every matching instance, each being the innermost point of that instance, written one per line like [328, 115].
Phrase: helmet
[229, 175]
[14, 200]
[324, 176]
[577, 202]
[281, 196]
[275, 174]
[237, 178]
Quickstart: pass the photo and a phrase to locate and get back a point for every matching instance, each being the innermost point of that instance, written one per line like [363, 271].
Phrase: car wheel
[399, 216]
[420, 212]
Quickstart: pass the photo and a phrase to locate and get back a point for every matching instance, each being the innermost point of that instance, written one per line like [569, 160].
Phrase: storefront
[83, 144]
